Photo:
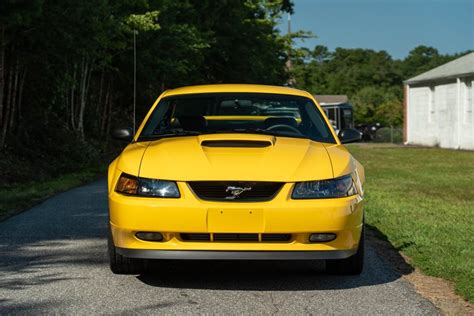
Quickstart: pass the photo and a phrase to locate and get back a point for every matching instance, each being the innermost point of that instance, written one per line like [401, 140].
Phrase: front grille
[223, 237]
[235, 191]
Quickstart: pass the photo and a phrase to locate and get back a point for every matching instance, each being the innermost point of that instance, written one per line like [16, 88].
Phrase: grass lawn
[422, 199]
[23, 196]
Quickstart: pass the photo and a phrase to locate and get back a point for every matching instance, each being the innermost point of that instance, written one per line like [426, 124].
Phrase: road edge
[37, 201]
[438, 291]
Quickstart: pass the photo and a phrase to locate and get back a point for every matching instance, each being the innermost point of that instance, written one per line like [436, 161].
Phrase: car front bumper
[282, 215]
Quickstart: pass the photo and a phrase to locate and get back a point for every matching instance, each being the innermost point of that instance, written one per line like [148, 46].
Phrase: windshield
[258, 113]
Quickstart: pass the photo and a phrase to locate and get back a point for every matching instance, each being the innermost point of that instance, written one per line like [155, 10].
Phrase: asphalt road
[53, 260]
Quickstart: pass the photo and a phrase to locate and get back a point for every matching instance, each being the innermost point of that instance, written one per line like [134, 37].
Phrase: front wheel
[123, 265]
[349, 266]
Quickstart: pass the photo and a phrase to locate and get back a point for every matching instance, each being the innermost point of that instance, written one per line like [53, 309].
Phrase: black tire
[349, 266]
[123, 265]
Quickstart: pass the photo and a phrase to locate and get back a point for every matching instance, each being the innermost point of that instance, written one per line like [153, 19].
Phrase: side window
[331, 114]
[156, 118]
[347, 116]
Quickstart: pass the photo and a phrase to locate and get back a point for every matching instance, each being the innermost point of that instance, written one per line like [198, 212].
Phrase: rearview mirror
[124, 134]
[350, 135]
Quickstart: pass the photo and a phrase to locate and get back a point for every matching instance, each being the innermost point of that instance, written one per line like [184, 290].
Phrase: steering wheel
[284, 127]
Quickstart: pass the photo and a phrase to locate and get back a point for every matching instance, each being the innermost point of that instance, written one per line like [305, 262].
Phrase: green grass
[19, 197]
[422, 199]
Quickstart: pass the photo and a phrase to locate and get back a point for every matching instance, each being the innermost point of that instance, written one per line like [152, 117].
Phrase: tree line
[66, 69]
[66, 66]
[373, 80]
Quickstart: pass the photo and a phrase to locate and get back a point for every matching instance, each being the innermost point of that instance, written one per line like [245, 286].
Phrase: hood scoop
[233, 143]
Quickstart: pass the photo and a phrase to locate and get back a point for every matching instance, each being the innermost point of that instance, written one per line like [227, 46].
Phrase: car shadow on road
[380, 268]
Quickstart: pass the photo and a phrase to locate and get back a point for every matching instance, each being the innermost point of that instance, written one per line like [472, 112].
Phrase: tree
[75, 64]
[423, 58]
[16, 18]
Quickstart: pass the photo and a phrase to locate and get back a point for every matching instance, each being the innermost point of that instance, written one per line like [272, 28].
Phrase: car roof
[223, 88]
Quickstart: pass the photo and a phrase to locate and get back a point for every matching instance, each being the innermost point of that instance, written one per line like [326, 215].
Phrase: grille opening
[222, 190]
[235, 237]
[276, 237]
[195, 237]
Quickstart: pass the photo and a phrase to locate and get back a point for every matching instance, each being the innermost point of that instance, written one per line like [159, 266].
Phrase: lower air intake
[235, 237]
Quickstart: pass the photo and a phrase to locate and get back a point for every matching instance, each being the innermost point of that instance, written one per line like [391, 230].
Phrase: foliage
[143, 22]
[372, 79]
[392, 135]
[421, 199]
[379, 105]
[66, 67]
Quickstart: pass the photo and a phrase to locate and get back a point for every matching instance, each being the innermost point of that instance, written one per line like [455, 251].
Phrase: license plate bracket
[235, 220]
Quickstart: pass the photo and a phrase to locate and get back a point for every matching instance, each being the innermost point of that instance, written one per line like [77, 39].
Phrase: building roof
[459, 67]
[331, 99]
[224, 88]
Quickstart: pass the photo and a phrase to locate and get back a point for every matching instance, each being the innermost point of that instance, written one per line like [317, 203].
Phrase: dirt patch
[439, 291]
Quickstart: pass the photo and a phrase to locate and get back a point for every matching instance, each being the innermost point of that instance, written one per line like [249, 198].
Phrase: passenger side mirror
[123, 134]
[350, 135]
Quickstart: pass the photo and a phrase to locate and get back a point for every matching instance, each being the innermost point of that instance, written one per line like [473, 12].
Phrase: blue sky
[395, 26]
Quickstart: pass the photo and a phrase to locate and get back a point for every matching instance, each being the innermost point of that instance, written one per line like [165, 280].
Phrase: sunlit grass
[423, 200]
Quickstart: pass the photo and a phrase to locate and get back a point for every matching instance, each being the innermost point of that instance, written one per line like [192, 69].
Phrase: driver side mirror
[350, 135]
[124, 134]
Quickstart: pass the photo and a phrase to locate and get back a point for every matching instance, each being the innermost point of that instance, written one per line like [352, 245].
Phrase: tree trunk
[73, 92]
[105, 109]
[101, 91]
[2, 71]
[85, 78]
[20, 95]
[81, 100]
[14, 95]
[109, 119]
[4, 131]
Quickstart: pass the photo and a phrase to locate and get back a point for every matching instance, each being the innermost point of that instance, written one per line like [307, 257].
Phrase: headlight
[334, 188]
[128, 184]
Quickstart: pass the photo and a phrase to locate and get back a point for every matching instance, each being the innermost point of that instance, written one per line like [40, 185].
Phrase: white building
[438, 106]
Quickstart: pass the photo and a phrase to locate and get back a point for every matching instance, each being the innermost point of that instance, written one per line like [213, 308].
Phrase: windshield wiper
[170, 133]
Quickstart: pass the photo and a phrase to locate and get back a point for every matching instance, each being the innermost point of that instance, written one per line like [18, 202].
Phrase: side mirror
[124, 134]
[350, 135]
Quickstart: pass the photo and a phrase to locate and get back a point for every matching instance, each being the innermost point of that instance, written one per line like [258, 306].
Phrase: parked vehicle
[236, 172]
[369, 130]
[340, 115]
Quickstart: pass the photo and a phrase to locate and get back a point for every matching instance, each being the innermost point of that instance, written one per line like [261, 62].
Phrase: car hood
[244, 157]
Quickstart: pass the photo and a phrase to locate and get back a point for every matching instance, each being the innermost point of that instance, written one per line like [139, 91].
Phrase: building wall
[441, 114]
[467, 114]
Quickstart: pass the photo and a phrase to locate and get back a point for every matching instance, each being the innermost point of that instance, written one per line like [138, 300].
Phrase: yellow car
[236, 172]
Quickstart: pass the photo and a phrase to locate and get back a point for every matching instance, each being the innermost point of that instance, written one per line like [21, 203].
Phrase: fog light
[322, 237]
[149, 236]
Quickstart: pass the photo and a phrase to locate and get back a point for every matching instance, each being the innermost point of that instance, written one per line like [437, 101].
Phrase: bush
[389, 135]
[45, 154]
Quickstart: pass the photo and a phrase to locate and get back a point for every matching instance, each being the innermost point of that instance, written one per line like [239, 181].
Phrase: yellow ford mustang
[239, 172]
